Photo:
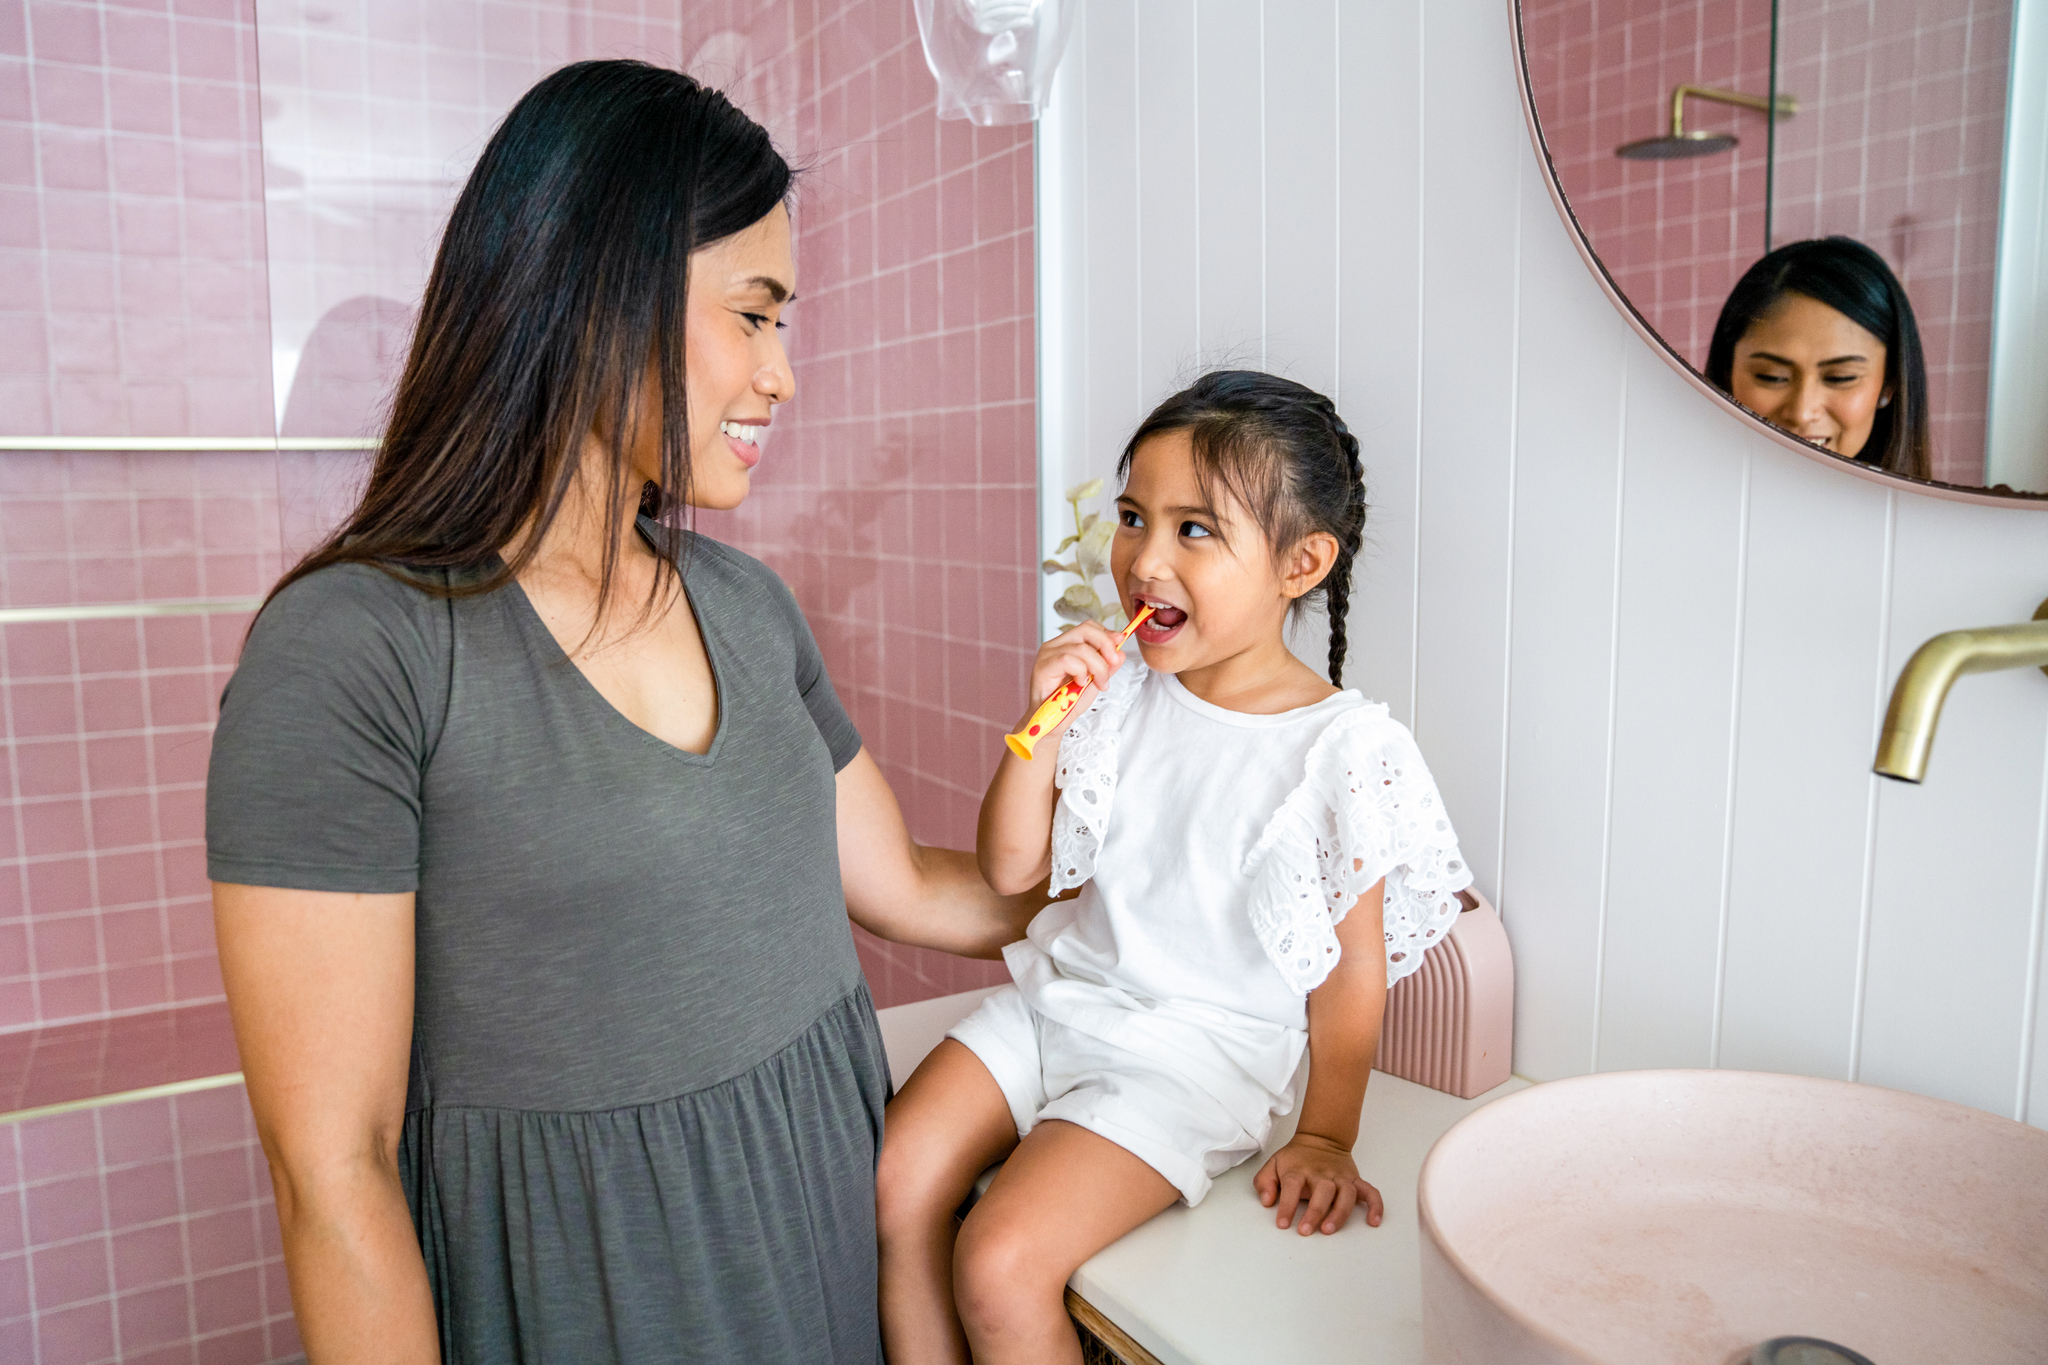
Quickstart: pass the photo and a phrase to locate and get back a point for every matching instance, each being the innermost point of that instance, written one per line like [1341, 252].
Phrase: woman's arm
[1344, 1017]
[907, 893]
[1014, 838]
[320, 985]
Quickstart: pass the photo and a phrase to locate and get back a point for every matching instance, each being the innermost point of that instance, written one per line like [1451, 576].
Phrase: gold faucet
[1916, 699]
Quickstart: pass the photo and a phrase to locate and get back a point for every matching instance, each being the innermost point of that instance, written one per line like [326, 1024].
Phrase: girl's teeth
[1165, 617]
[750, 434]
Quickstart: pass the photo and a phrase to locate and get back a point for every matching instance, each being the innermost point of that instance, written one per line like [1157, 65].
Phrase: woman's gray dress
[647, 1085]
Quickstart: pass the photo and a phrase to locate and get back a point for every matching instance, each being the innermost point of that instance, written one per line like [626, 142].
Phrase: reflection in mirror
[1691, 138]
[1819, 338]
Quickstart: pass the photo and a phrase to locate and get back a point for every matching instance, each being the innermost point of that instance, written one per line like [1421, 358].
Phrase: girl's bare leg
[946, 1126]
[1064, 1194]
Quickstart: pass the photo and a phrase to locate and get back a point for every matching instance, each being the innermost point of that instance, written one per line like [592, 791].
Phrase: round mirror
[1833, 216]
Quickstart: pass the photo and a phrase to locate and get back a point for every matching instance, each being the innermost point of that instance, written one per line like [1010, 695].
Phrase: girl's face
[1807, 368]
[735, 370]
[1208, 569]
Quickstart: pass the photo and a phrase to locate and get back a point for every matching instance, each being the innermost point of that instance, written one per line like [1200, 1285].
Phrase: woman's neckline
[530, 619]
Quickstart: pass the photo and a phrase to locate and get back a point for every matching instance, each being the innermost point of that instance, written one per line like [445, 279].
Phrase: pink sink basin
[1684, 1217]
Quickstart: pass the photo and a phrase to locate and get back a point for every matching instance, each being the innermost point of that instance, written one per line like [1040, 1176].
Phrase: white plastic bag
[994, 59]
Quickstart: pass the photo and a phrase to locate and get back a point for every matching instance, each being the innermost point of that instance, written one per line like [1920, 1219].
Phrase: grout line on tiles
[1734, 756]
[2030, 1003]
[12, 1139]
[1868, 891]
[1613, 680]
[106, 1231]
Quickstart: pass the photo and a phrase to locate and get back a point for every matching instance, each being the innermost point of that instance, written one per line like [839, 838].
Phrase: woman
[1818, 338]
[522, 810]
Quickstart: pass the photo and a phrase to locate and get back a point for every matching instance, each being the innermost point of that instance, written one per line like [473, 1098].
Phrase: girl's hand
[1319, 1173]
[1086, 653]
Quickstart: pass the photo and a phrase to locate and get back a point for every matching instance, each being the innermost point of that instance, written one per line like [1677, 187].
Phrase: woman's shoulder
[338, 599]
[351, 618]
[358, 586]
[731, 577]
[699, 552]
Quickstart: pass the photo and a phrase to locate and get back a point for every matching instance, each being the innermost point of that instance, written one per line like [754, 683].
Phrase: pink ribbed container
[1451, 1024]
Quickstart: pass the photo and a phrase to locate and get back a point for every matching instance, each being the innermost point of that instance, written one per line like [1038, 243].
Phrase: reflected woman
[1818, 338]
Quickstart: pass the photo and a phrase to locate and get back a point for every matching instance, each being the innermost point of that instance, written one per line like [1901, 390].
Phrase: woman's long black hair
[1853, 280]
[558, 292]
[1285, 454]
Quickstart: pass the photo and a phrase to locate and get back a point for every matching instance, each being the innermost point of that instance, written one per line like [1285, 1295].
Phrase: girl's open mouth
[1164, 623]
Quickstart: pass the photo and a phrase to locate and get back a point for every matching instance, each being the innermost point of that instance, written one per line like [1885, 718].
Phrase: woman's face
[735, 369]
[1809, 369]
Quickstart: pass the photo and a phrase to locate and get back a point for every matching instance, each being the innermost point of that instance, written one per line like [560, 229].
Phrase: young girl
[1258, 854]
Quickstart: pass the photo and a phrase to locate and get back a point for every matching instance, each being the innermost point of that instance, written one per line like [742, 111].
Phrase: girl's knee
[912, 1191]
[1000, 1277]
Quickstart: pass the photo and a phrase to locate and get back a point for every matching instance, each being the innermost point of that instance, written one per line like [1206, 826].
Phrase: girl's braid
[1350, 533]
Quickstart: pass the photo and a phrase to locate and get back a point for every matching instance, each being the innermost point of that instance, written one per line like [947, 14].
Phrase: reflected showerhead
[1679, 148]
[1679, 145]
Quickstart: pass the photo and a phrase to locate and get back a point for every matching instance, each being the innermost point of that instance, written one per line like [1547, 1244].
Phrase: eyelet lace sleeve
[1366, 808]
[1086, 777]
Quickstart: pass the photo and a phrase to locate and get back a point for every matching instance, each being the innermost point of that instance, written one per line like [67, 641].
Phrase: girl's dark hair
[1283, 452]
[557, 294]
[1853, 280]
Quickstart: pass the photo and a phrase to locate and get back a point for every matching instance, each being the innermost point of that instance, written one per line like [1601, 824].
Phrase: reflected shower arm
[1787, 105]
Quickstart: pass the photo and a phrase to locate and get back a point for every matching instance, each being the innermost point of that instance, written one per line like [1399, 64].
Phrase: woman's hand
[1315, 1171]
[1087, 653]
[902, 891]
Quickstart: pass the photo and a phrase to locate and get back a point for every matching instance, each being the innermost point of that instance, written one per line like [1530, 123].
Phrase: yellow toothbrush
[1054, 708]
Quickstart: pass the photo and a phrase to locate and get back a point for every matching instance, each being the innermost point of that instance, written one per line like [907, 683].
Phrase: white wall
[1645, 649]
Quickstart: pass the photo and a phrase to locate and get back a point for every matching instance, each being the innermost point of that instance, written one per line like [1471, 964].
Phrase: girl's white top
[1216, 852]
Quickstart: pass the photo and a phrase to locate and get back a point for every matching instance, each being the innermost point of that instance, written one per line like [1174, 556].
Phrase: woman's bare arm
[908, 893]
[320, 985]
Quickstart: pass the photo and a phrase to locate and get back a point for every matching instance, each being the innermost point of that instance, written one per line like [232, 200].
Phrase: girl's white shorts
[1050, 1071]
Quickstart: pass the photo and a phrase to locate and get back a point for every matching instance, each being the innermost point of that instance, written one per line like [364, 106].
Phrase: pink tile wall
[897, 495]
[1897, 143]
[103, 895]
[143, 1233]
[131, 221]
[373, 115]
[1675, 235]
[903, 516]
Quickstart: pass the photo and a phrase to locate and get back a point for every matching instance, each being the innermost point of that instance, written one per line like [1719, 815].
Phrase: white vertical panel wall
[1645, 649]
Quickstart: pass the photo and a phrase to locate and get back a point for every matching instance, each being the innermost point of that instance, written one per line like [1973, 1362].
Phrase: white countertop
[1219, 1284]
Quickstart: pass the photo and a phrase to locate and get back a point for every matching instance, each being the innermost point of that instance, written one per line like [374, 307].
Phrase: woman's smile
[744, 440]
[1808, 369]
